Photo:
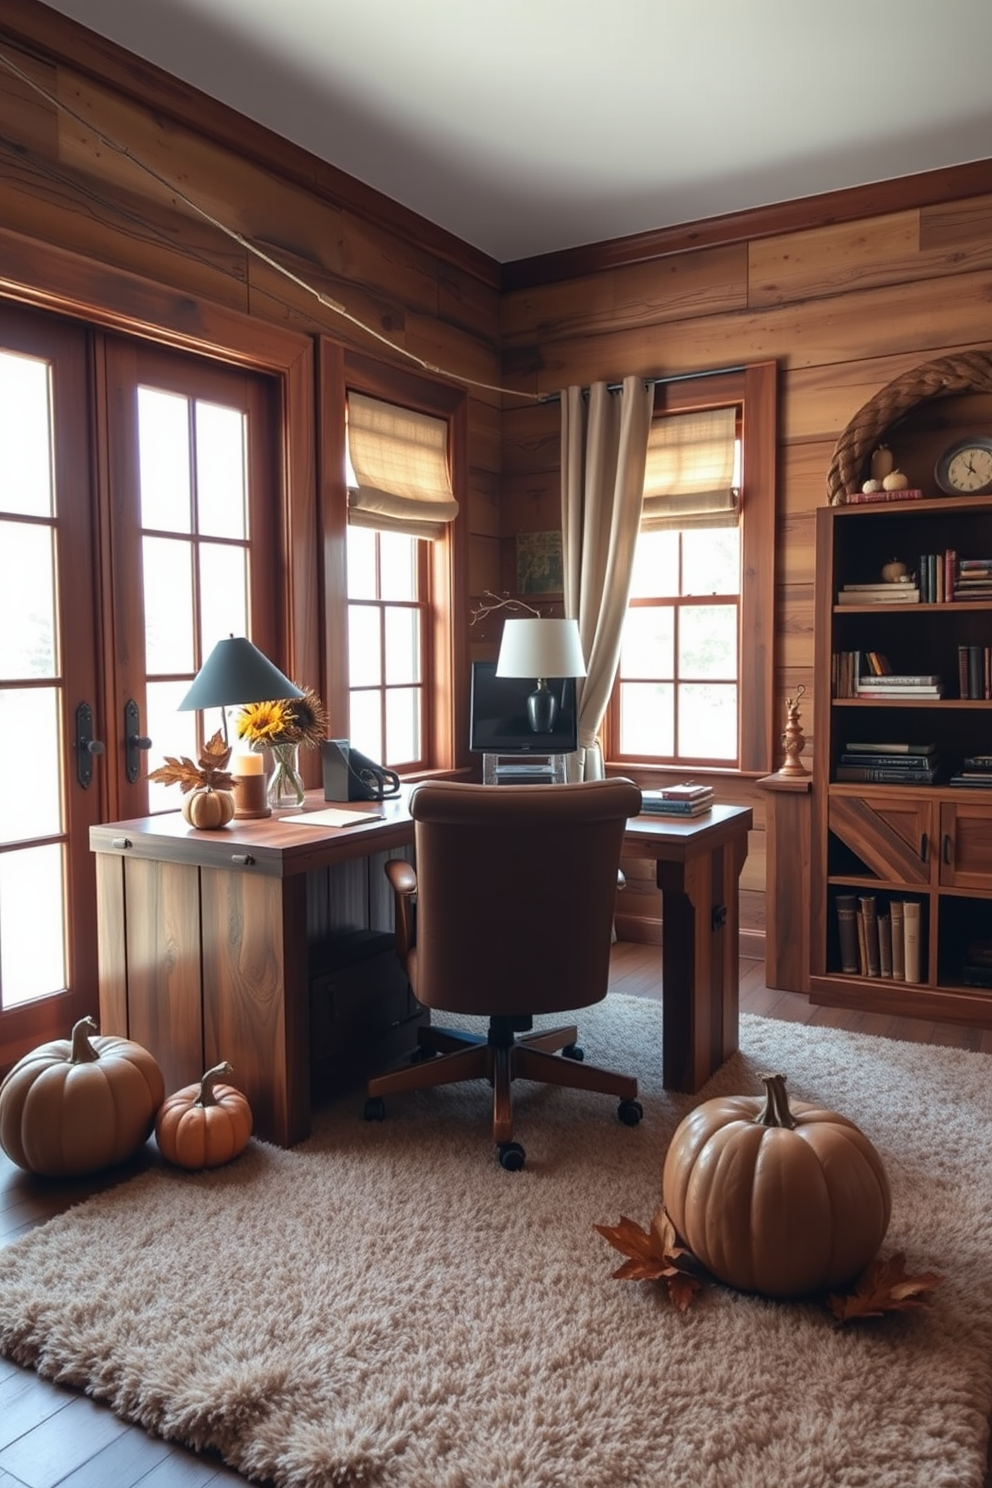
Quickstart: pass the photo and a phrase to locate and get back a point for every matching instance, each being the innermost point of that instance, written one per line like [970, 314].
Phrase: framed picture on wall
[539, 564]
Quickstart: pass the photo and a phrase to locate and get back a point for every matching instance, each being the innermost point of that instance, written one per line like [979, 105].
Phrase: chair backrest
[516, 893]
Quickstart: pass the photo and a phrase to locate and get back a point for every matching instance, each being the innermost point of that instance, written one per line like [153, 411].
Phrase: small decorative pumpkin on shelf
[207, 786]
[79, 1105]
[204, 1125]
[895, 572]
[777, 1199]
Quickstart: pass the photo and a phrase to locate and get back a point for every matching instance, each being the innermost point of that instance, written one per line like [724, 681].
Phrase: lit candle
[247, 764]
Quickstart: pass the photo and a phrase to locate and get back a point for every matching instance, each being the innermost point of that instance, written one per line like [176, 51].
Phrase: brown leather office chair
[515, 891]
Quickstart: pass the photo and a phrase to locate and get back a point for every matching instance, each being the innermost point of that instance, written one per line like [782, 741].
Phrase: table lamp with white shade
[541, 647]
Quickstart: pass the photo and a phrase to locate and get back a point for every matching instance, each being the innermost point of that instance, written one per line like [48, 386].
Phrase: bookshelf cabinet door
[891, 836]
[966, 845]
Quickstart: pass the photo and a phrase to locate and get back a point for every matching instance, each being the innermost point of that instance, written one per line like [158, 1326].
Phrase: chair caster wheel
[511, 1156]
[630, 1112]
[375, 1108]
[573, 1051]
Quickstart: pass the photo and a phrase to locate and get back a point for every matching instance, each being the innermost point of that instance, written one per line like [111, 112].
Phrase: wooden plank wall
[843, 307]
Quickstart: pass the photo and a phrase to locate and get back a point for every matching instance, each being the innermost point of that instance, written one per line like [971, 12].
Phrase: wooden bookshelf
[929, 844]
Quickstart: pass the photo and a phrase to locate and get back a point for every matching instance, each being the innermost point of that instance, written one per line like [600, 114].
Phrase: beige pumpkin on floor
[204, 1125]
[79, 1105]
[777, 1199]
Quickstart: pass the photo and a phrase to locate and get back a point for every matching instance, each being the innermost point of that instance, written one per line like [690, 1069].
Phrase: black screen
[498, 714]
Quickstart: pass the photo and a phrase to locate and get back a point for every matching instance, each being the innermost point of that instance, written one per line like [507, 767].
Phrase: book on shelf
[884, 775]
[924, 693]
[898, 941]
[913, 764]
[971, 781]
[974, 666]
[859, 920]
[873, 498]
[898, 746]
[846, 906]
[869, 917]
[977, 762]
[911, 939]
[899, 679]
[883, 594]
[885, 944]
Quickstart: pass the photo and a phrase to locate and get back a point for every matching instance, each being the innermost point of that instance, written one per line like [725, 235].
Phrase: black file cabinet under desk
[363, 1015]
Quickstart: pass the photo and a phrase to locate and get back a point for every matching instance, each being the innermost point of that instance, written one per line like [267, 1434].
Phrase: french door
[138, 525]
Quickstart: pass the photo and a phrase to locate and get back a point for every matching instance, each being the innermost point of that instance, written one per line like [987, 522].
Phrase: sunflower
[265, 723]
[309, 719]
[301, 720]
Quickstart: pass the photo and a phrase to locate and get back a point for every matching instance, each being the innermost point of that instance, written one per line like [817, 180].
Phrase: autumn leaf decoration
[883, 1288]
[655, 1255]
[658, 1255]
[211, 771]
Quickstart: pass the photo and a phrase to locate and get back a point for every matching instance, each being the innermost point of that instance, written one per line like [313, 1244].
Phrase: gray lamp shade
[540, 647]
[237, 672]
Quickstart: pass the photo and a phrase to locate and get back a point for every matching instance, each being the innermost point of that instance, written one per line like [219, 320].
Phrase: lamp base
[542, 709]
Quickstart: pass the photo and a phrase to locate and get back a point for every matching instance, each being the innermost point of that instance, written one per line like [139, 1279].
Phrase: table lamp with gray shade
[541, 647]
[236, 672]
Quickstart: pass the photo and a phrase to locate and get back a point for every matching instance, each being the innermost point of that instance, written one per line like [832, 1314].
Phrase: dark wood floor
[50, 1435]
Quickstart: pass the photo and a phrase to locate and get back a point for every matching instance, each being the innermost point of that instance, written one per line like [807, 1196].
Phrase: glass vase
[285, 786]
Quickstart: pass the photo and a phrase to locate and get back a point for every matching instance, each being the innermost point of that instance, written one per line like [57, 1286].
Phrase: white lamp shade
[540, 647]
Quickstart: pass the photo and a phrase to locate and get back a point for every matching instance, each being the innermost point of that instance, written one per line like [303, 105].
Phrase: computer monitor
[498, 721]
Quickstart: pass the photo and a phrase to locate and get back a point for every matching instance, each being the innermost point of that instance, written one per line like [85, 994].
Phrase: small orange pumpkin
[78, 1105]
[776, 1199]
[204, 1125]
[208, 809]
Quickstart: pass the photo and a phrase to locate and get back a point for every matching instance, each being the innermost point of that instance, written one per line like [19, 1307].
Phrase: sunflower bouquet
[282, 726]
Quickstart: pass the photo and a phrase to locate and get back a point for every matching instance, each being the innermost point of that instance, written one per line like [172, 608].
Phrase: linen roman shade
[689, 478]
[399, 463]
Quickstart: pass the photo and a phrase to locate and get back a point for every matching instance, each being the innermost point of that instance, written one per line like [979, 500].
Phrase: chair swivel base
[446, 1056]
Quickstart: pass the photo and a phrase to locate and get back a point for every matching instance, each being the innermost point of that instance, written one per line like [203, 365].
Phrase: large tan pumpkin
[204, 1125]
[78, 1105]
[208, 809]
[776, 1199]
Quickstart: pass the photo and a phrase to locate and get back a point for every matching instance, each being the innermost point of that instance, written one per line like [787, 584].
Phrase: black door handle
[86, 746]
[135, 742]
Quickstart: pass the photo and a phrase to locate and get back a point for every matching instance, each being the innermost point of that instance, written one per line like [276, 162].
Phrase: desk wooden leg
[700, 964]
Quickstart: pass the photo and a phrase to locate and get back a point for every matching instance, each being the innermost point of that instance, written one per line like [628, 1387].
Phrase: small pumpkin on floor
[777, 1199]
[204, 1125]
[79, 1105]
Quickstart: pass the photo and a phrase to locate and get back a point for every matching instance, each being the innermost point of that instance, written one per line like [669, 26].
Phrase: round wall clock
[965, 468]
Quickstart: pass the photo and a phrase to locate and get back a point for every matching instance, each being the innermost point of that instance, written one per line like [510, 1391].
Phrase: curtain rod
[615, 387]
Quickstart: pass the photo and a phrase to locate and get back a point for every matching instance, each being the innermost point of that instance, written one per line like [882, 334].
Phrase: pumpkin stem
[776, 1109]
[206, 1096]
[83, 1051]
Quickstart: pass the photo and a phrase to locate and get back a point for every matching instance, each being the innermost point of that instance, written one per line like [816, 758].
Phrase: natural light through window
[385, 645]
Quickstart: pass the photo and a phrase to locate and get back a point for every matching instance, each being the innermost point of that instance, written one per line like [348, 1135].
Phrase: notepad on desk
[333, 817]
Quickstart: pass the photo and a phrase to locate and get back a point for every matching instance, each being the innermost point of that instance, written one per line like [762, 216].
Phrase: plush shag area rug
[385, 1306]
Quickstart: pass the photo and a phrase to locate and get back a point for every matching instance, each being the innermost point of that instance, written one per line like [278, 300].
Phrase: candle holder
[250, 787]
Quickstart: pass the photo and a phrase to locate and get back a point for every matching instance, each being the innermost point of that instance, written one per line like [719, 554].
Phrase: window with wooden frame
[403, 459]
[694, 683]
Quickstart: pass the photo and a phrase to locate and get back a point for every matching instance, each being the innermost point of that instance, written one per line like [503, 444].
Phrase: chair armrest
[403, 878]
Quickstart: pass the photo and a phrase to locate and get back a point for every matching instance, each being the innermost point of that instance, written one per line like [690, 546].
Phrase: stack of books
[975, 773]
[977, 968]
[677, 800]
[898, 763]
[879, 939]
[879, 593]
[900, 685]
[972, 578]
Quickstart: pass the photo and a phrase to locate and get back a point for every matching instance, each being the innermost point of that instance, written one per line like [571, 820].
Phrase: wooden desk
[699, 865]
[204, 940]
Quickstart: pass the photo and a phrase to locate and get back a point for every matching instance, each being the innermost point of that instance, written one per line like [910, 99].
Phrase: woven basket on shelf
[971, 371]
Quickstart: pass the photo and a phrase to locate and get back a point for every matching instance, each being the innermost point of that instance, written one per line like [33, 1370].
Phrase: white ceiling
[524, 126]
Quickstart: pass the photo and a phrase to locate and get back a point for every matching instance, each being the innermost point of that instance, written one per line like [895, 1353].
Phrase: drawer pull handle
[244, 860]
[120, 842]
[924, 847]
[948, 848]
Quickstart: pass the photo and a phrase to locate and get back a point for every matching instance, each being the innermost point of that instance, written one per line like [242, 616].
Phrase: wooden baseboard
[645, 930]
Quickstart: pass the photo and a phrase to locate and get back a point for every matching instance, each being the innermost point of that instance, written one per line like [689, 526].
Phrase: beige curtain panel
[603, 448]
[689, 471]
[399, 459]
